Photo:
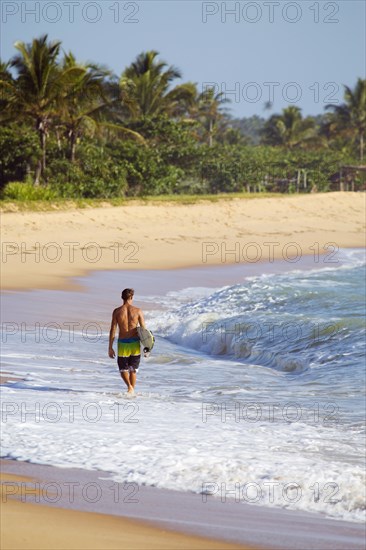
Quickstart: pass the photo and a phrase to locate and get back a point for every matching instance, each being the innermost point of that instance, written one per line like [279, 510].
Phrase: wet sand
[95, 296]
[5, 378]
[29, 526]
[195, 515]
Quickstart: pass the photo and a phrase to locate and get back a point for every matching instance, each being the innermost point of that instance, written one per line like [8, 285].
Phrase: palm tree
[6, 82]
[37, 91]
[289, 129]
[206, 108]
[146, 87]
[350, 117]
[5, 74]
[329, 133]
[81, 108]
[267, 105]
[87, 106]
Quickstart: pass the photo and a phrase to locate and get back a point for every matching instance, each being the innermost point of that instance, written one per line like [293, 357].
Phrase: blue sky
[300, 52]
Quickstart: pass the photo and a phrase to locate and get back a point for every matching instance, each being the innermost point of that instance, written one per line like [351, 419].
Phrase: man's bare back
[128, 318]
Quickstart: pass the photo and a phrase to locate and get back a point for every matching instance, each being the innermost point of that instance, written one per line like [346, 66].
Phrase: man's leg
[125, 372]
[133, 379]
[130, 379]
[134, 365]
[126, 378]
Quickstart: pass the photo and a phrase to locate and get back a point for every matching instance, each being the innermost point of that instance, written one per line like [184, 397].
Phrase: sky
[290, 53]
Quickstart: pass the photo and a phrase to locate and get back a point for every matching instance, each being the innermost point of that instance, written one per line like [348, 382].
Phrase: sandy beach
[50, 246]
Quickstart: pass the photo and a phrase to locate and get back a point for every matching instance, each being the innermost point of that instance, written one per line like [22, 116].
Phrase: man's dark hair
[127, 293]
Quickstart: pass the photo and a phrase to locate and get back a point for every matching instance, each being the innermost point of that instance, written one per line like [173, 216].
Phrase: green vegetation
[76, 131]
[44, 205]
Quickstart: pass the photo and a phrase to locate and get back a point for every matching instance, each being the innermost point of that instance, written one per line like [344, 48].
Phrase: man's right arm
[112, 334]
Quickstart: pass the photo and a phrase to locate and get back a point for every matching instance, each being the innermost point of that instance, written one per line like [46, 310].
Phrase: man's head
[127, 294]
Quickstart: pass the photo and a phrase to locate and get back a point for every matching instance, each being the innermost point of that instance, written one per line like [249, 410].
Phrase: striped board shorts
[129, 354]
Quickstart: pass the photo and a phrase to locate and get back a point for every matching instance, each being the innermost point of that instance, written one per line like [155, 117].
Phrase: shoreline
[55, 247]
[250, 526]
[60, 527]
[150, 287]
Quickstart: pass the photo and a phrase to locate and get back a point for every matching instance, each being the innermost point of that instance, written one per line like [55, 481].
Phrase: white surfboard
[146, 338]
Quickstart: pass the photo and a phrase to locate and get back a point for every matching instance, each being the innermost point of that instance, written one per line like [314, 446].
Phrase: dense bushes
[170, 161]
[261, 168]
[20, 150]
[95, 175]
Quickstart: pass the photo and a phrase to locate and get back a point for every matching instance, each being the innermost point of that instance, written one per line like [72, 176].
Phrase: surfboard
[146, 338]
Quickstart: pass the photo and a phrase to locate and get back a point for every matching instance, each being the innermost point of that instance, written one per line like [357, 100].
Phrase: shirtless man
[127, 317]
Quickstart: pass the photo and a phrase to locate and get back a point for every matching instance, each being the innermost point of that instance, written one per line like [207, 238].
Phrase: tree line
[72, 129]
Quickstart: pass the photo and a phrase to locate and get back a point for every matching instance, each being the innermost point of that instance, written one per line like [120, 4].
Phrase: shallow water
[254, 390]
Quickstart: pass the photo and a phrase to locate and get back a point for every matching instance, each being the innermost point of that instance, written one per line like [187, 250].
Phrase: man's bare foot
[130, 390]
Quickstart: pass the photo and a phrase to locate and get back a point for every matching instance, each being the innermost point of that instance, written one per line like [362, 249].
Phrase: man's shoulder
[117, 310]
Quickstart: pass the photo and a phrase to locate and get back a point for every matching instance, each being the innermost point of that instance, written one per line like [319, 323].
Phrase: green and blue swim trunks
[129, 354]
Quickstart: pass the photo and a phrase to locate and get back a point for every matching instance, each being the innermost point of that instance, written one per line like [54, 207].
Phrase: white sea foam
[156, 441]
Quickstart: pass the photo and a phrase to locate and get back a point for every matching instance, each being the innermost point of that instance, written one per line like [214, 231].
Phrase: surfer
[127, 317]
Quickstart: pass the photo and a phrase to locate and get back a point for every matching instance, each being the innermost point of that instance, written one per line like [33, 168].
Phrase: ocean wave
[288, 323]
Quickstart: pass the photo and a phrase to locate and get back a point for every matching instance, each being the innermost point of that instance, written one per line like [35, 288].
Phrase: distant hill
[249, 127]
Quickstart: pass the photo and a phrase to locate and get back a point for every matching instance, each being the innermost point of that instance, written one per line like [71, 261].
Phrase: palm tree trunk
[72, 146]
[43, 145]
[361, 146]
[41, 169]
[210, 133]
[37, 176]
[58, 138]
